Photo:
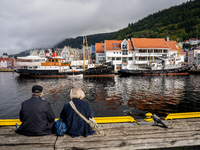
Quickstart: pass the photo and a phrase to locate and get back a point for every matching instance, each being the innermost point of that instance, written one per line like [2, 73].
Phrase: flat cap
[37, 89]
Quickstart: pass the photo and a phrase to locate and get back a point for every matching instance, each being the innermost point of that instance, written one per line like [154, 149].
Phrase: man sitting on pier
[36, 115]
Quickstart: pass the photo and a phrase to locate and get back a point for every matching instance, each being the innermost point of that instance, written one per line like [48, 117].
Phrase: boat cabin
[55, 61]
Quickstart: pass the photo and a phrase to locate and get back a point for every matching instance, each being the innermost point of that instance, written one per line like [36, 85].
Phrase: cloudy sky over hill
[29, 24]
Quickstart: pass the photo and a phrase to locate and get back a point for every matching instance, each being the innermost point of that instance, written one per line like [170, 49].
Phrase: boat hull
[177, 71]
[102, 71]
[41, 73]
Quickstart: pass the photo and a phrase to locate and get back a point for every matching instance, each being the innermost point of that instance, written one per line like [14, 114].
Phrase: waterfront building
[5, 55]
[34, 52]
[71, 54]
[99, 55]
[7, 63]
[4, 63]
[137, 52]
[65, 53]
[194, 56]
[121, 53]
[42, 53]
[93, 53]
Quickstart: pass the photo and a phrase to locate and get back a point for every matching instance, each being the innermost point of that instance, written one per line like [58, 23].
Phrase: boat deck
[180, 134]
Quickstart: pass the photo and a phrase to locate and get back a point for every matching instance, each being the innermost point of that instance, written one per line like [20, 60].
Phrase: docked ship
[56, 67]
[165, 66]
[34, 66]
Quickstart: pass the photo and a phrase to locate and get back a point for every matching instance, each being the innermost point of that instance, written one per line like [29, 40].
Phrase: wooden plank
[12, 140]
[122, 136]
[136, 137]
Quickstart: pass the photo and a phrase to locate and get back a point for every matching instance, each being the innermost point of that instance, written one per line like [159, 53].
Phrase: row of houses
[67, 53]
[7, 63]
[128, 53]
[192, 41]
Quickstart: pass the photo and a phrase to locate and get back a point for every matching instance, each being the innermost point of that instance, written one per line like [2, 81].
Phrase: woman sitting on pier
[76, 125]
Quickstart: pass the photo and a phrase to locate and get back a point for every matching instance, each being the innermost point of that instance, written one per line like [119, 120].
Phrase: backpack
[60, 127]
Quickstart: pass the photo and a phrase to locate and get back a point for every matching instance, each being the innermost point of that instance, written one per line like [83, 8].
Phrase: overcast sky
[29, 24]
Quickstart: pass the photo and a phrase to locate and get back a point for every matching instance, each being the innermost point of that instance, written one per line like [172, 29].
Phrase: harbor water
[134, 95]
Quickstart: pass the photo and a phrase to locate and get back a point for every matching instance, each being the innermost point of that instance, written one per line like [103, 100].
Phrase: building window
[117, 52]
[116, 47]
[142, 58]
[113, 58]
[109, 58]
[124, 59]
[125, 52]
[130, 58]
[118, 58]
[113, 43]
[124, 47]
[142, 51]
[113, 47]
[165, 51]
[114, 52]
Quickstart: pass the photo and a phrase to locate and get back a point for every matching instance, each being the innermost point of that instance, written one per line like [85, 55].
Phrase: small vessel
[165, 66]
[54, 67]
[100, 70]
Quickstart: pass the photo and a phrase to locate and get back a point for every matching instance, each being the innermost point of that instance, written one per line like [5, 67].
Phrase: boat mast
[83, 53]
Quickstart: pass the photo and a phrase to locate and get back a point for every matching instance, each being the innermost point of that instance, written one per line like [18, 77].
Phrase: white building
[42, 53]
[4, 64]
[137, 52]
[71, 54]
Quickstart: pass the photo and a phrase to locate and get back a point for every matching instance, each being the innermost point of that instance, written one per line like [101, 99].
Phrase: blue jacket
[76, 125]
[37, 117]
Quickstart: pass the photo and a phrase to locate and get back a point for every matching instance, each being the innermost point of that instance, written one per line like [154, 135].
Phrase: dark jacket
[37, 117]
[76, 125]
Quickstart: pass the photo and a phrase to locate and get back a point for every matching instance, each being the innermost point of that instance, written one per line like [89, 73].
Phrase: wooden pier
[114, 136]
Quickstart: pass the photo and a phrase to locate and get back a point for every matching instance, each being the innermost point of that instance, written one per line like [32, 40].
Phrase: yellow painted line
[12, 122]
[182, 115]
[114, 119]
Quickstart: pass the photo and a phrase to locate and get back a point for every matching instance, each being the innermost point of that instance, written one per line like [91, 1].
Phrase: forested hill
[178, 22]
[78, 41]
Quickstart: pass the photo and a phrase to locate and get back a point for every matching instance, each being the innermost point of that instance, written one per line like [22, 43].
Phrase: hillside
[78, 41]
[178, 22]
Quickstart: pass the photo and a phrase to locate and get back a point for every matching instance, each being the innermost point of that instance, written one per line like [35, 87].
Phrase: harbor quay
[180, 134]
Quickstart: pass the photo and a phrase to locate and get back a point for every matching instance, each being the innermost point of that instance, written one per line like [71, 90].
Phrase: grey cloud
[35, 23]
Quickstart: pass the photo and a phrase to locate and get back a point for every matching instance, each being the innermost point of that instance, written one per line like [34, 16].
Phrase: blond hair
[77, 93]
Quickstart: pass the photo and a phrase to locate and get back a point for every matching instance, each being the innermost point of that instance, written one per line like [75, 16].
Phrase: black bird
[157, 120]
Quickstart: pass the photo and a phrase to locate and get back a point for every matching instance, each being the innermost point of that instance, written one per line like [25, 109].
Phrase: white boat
[165, 66]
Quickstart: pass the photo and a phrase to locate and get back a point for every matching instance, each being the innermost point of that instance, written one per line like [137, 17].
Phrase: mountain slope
[78, 41]
[178, 22]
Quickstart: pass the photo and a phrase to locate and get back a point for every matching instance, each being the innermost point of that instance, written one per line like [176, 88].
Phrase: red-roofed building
[137, 52]
[121, 52]
[100, 55]
[148, 50]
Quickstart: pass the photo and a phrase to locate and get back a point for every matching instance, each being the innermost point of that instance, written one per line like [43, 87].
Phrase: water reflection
[107, 96]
